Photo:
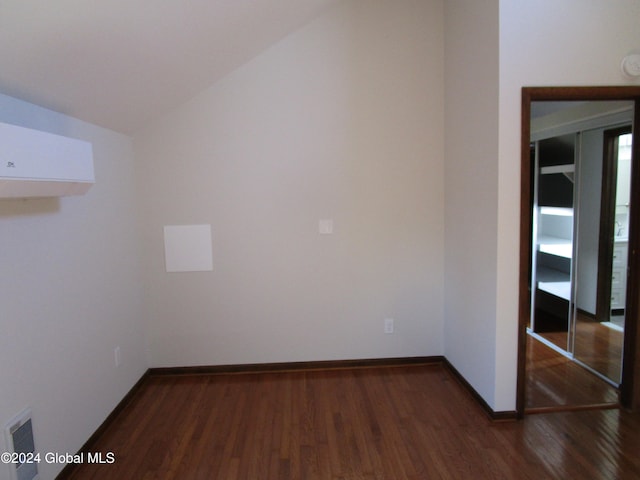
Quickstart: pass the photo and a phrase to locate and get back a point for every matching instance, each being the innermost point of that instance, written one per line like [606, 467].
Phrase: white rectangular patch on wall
[187, 248]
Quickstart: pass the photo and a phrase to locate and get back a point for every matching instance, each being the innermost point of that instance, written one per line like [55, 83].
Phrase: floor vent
[19, 433]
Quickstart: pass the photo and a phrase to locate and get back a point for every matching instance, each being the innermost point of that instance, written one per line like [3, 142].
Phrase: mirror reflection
[581, 161]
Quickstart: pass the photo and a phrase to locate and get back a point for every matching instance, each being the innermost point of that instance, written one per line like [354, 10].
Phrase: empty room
[306, 239]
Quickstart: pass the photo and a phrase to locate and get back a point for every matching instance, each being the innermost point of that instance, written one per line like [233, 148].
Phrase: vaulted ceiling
[120, 63]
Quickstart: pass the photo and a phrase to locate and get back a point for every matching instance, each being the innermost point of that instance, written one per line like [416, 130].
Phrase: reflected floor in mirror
[598, 345]
[554, 382]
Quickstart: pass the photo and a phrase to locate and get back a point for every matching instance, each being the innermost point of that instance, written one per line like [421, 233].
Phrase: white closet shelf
[567, 168]
[560, 247]
[557, 211]
[559, 289]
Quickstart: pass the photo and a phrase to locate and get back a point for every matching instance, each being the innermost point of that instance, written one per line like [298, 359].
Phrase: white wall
[547, 42]
[344, 120]
[471, 169]
[69, 293]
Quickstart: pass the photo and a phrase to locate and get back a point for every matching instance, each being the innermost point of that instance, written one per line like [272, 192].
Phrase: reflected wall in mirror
[576, 204]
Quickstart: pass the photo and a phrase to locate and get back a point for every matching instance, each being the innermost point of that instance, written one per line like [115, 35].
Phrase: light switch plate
[325, 226]
[388, 325]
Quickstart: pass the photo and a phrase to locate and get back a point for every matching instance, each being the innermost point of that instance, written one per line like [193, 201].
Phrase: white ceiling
[120, 63]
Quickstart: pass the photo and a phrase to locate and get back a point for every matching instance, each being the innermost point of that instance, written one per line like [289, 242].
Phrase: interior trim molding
[68, 470]
[295, 366]
[496, 416]
[630, 385]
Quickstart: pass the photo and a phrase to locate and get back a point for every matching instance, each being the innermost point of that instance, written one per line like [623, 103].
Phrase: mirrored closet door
[580, 156]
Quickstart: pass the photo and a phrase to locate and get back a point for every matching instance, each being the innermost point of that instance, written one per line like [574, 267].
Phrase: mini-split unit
[40, 164]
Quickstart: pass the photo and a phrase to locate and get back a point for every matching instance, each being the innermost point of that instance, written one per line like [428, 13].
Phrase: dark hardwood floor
[406, 422]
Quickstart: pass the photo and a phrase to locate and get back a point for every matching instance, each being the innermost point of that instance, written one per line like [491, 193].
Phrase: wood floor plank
[383, 423]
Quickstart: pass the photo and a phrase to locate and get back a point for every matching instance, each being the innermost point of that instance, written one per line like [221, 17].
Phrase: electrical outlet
[116, 356]
[388, 325]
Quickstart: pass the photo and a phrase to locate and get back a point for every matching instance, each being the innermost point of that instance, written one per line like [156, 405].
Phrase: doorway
[571, 239]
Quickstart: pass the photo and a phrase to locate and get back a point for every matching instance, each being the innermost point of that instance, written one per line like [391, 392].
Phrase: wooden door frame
[630, 385]
[607, 221]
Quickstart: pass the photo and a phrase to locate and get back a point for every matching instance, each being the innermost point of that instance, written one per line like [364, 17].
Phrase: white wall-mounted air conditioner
[41, 164]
